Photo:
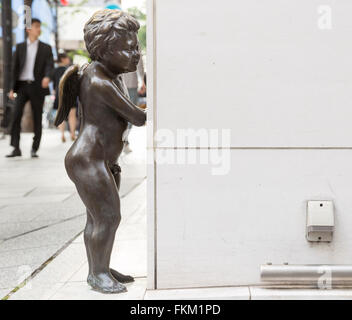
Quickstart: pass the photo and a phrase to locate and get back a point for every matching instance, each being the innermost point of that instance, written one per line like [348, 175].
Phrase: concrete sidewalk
[65, 276]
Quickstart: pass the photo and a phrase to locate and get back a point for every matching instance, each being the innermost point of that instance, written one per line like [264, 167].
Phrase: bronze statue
[92, 161]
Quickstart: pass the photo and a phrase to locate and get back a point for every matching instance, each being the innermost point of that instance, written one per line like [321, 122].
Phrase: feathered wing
[68, 93]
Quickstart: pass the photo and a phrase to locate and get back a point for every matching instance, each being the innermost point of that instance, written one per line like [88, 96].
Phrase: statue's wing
[68, 93]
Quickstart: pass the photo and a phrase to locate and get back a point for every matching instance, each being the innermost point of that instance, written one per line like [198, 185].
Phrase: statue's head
[111, 38]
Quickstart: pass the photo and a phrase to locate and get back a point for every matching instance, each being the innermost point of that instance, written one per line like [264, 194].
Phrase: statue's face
[125, 55]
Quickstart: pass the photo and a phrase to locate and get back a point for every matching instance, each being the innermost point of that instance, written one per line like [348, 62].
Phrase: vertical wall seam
[154, 147]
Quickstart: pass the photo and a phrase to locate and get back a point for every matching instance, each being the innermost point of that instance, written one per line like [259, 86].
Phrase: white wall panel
[261, 68]
[264, 70]
[217, 230]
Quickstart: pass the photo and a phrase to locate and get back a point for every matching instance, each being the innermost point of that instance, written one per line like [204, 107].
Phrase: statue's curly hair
[104, 28]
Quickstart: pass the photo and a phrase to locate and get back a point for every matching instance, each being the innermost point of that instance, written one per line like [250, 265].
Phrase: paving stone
[15, 229]
[128, 184]
[52, 190]
[34, 257]
[82, 291]
[59, 270]
[135, 231]
[69, 208]
[57, 234]
[35, 291]
[16, 192]
[21, 213]
[224, 293]
[44, 211]
[36, 200]
[4, 292]
[10, 277]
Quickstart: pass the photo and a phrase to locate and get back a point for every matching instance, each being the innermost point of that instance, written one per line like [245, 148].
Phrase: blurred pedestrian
[32, 66]
[134, 82]
[142, 94]
[64, 62]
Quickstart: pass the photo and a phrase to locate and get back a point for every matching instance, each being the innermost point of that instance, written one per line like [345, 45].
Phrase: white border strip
[151, 166]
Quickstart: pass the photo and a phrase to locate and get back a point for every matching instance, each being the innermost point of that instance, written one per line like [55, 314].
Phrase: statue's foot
[105, 283]
[121, 277]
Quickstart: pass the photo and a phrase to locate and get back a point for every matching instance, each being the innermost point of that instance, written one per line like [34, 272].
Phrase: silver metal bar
[306, 274]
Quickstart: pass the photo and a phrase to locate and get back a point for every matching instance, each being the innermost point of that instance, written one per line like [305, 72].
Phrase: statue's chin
[130, 68]
[133, 68]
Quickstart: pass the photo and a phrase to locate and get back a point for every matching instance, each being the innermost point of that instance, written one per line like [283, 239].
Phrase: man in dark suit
[32, 66]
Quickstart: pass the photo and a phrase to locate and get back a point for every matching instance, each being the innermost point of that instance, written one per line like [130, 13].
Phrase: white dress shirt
[27, 72]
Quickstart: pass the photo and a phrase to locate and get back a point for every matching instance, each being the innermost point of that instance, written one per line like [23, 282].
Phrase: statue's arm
[114, 98]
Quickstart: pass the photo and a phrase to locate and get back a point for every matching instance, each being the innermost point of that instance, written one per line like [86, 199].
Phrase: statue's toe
[121, 277]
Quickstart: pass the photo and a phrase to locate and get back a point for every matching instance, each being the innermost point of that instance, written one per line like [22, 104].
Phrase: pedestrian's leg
[62, 128]
[21, 100]
[72, 121]
[37, 101]
[133, 93]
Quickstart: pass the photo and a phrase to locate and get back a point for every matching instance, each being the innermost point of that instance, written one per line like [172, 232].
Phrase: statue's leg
[116, 172]
[99, 194]
[87, 236]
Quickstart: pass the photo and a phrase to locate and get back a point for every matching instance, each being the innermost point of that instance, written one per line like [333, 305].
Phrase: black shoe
[34, 154]
[14, 153]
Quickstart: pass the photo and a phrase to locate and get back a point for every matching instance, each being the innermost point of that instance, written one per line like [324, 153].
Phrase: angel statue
[92, 161]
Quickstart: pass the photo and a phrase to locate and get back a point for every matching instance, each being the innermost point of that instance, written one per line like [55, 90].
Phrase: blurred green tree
[142, 34]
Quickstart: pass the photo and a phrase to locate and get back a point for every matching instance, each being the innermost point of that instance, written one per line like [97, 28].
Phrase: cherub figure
[92, 161]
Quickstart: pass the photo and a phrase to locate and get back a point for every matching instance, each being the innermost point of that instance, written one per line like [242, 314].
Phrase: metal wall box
[320, 221]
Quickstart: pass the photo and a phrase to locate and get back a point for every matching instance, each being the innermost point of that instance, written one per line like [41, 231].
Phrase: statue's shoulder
[82, 69]
[87, 75]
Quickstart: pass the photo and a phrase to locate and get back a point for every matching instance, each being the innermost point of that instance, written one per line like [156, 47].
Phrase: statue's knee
[112, 222]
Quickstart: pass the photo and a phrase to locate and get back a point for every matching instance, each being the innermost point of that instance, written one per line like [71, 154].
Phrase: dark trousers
[25, 92]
